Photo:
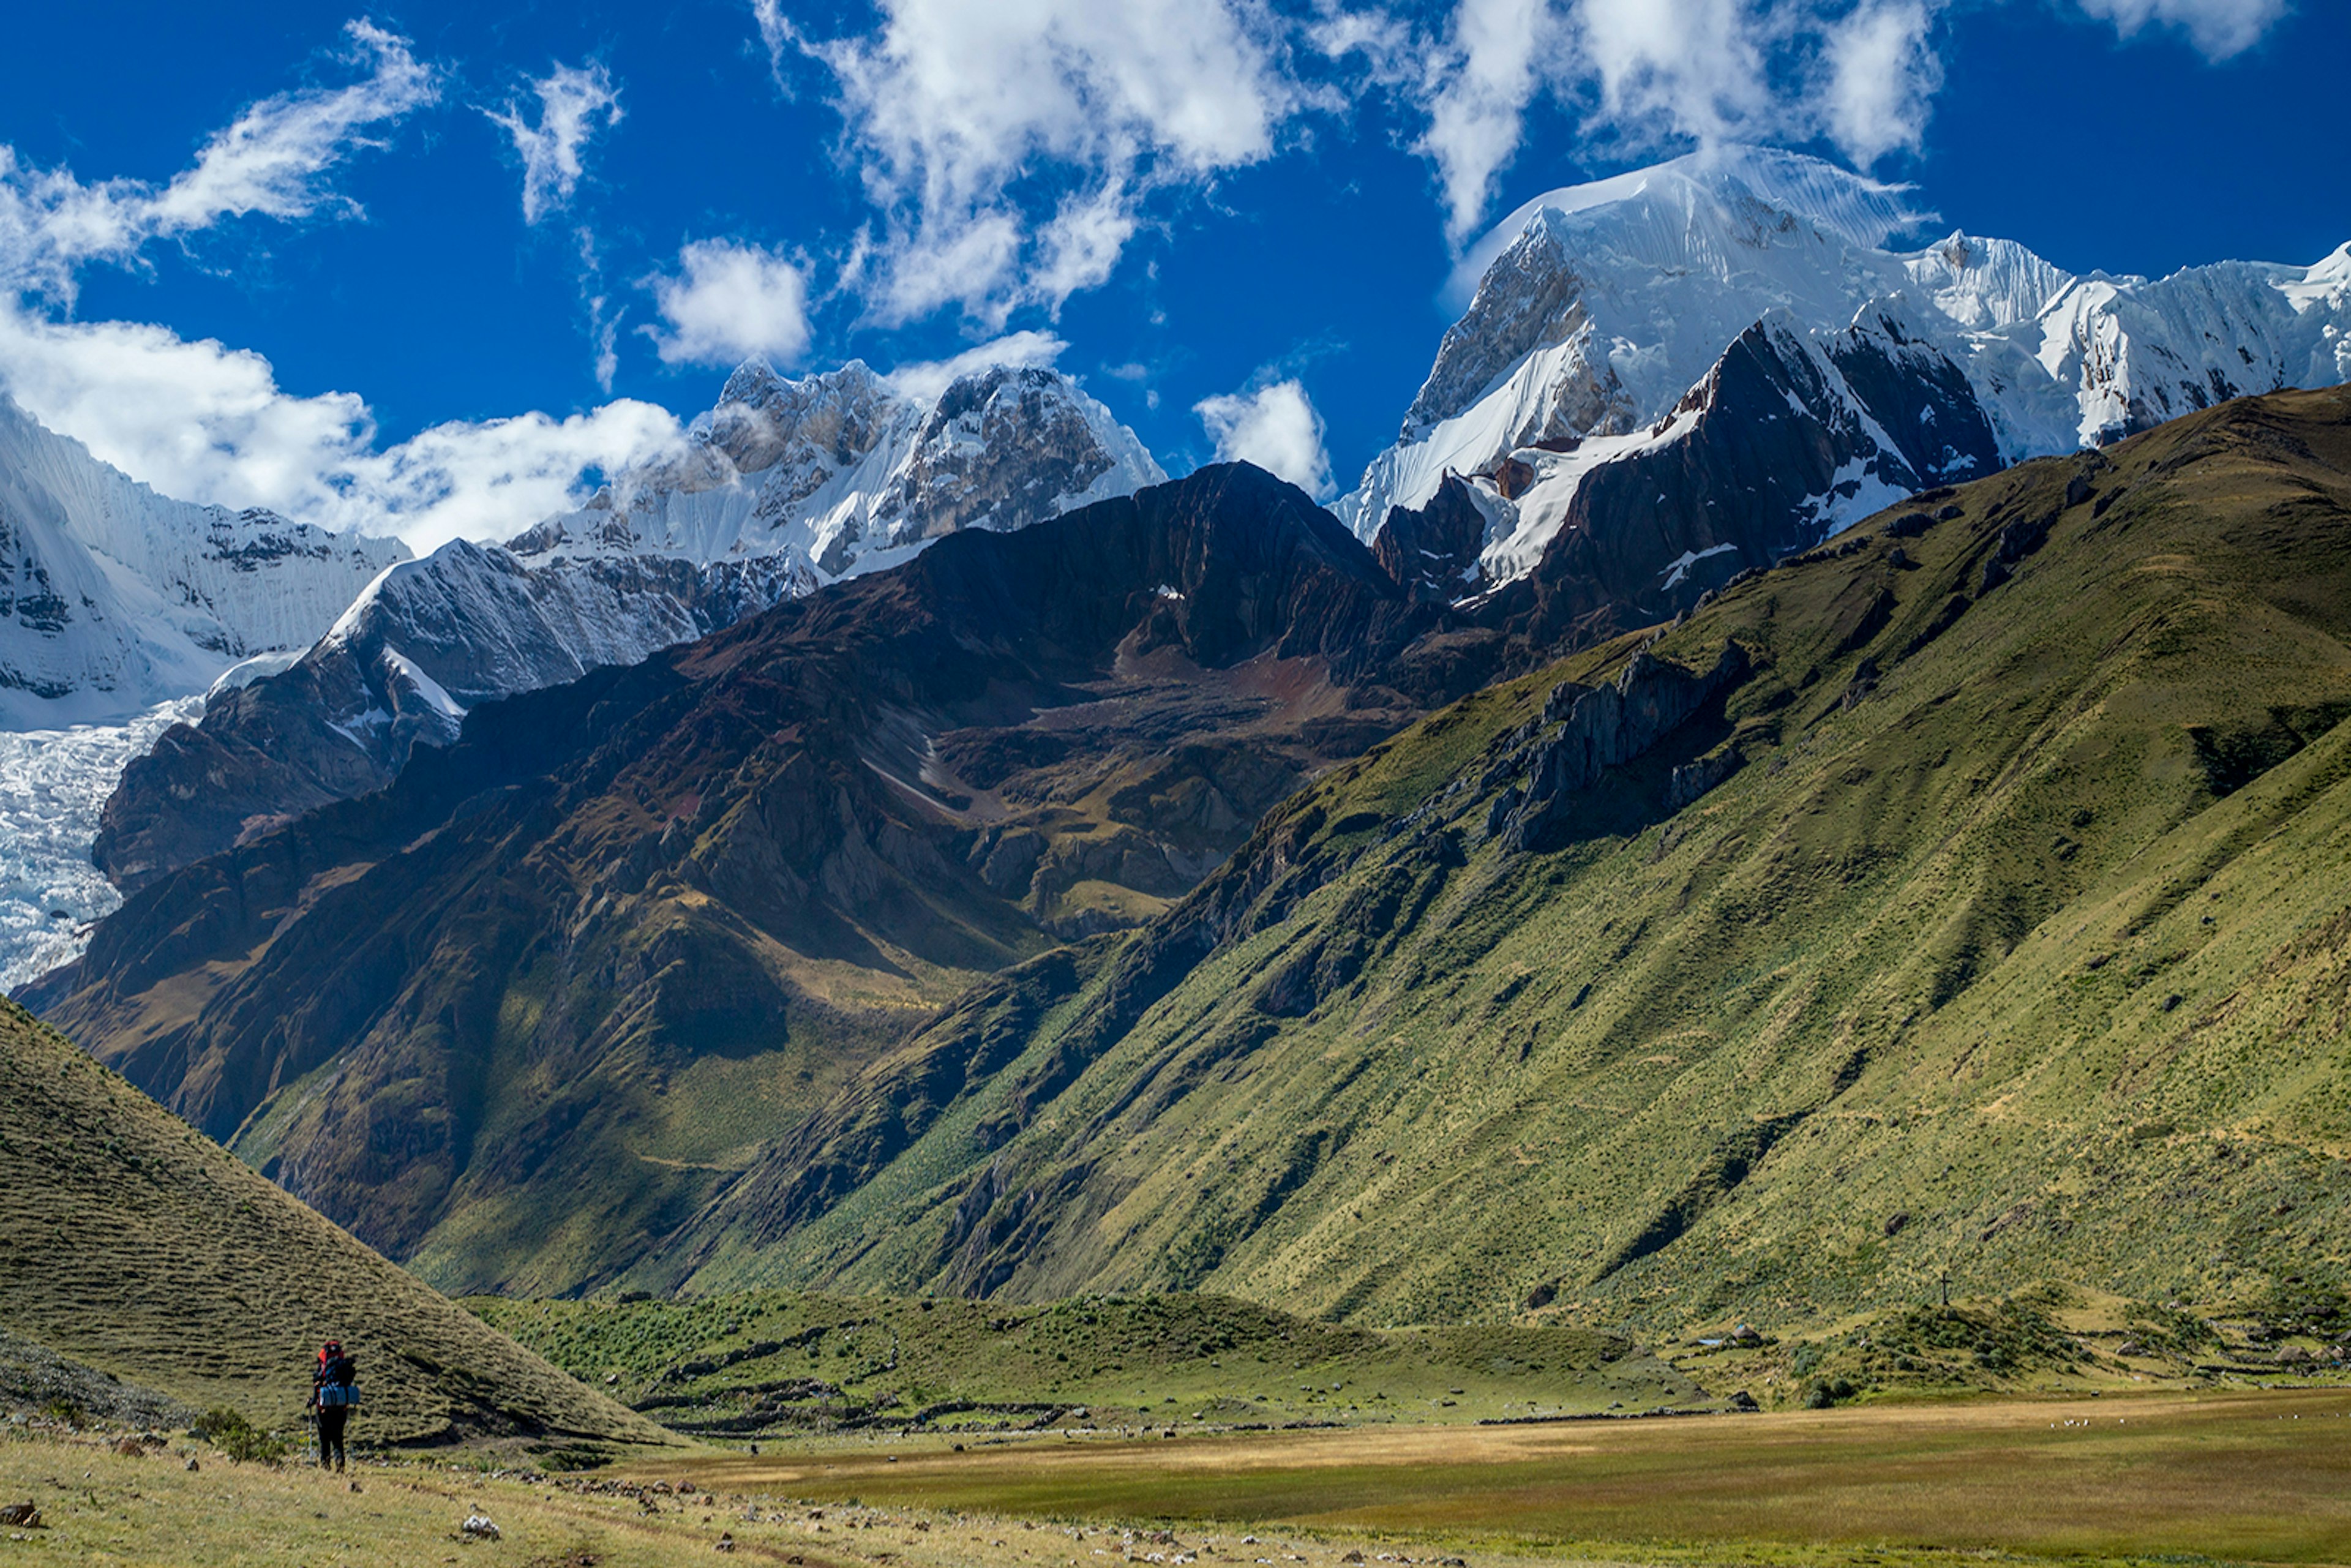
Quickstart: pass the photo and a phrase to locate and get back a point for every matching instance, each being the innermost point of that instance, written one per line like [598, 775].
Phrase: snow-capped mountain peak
[1600, 310]
[1765, 186]
[851, 472]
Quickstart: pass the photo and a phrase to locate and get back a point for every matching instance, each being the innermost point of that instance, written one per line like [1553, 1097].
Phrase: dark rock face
[1780, 436]
[1433, 551]
[1598, 729]
[506, 959]
[1647, 535]
[1918, 398]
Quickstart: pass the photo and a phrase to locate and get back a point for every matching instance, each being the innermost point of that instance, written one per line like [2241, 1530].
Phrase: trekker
[334, 1389]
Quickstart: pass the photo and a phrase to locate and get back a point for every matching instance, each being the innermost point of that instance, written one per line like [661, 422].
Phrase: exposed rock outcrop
[1590, 730]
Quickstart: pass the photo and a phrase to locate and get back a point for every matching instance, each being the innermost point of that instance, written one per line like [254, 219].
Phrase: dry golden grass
[102, 1507]
[2252, 1476]
[2249, 1476]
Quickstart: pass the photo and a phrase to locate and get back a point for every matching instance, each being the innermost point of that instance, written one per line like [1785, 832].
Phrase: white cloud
[2220, 29]
[1647, 76]
[781, 38]
[206, 422]
[929, 378]
[1677, 67]
[951, 106]
[1882, 79]
[1276, 428]
[574, 104]
[1479, 90]
[270, 160]
[732, 302]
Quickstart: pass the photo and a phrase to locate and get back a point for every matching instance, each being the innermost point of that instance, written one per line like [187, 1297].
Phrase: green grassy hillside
[2012, 944]
[138, 1247]
[775, 1361]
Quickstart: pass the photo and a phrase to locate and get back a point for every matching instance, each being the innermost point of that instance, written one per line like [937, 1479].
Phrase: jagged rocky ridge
[1887, 371]
[784, 486]
[114, 598]
[514, 1017]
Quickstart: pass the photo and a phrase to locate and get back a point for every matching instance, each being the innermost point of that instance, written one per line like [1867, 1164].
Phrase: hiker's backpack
[338, 1384]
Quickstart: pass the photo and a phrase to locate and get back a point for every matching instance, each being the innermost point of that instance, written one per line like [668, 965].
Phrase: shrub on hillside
[226, 1428]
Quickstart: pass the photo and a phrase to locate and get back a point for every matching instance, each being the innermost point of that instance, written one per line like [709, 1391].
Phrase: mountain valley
[765, 855]
[1990, 884]
[1809, 777]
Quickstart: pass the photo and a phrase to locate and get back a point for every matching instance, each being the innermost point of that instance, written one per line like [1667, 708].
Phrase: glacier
[52, 784]
[119, 608]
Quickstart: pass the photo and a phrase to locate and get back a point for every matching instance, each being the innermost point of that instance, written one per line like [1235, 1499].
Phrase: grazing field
[2256, 1476]
[764, 1363]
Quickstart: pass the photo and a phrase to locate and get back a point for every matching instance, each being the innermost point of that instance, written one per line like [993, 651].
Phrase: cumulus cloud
[271, 160]
[1882, 79]
[730, 302]
[207, 422]
[574, 104]
[2220, 29]
[929, 378]
[1276, 428]
[956, 111]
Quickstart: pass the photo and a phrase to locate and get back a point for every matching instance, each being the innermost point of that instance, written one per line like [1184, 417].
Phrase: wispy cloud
[271, 160]
[2220, 30]
[929, 378]
[574, 104]
[779, 37]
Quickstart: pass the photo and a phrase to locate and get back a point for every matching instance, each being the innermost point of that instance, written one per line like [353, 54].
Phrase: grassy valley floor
[769, 1363]
[2247, 1476]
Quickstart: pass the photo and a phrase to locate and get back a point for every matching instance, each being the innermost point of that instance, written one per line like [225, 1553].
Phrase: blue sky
[302, 255]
